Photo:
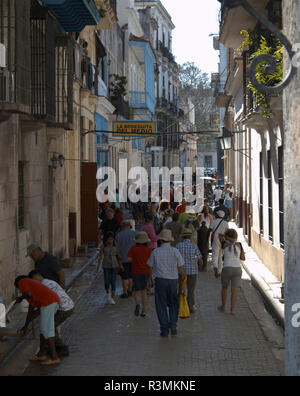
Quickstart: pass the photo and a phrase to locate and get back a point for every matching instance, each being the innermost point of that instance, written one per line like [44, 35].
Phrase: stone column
[291, 115]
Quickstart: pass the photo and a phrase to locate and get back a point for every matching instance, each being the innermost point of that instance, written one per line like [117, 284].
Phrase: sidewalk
[9, 346]
[262, 278]
[109, 340]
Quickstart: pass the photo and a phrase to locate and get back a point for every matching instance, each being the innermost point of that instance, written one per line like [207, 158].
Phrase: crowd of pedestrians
[167, 252]
[171, 246]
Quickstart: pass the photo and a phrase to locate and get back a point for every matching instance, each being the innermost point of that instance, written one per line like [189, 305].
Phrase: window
[261, 195]
[281, 194]
[21, 195]
[270, 195]
[208, 162]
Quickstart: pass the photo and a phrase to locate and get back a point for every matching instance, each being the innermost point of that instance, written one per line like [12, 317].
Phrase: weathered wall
[44, 223]
[8, 205]
[291, 14]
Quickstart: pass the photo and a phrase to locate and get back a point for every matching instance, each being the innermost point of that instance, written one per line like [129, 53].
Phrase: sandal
[37, 358]
[49, 362]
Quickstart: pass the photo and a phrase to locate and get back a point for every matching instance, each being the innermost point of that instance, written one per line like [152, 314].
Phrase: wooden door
[89, 206]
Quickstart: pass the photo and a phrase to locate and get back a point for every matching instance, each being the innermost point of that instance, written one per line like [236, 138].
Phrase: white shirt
[222, 228]
[218, 194]
[227, 195]
[66, 304]
[206, 219]
[230, 258]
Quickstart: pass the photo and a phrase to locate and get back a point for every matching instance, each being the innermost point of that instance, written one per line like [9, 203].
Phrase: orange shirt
[140, 255]
[42, 296]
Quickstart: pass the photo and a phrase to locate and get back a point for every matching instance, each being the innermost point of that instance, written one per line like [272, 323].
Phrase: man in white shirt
[65, 309]
[217, 194]
[218, 227]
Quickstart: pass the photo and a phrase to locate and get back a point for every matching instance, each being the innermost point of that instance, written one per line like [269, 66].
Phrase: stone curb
[273, 304]
[22, 341]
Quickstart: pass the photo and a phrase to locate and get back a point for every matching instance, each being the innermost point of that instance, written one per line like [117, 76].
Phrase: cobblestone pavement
[109, 340]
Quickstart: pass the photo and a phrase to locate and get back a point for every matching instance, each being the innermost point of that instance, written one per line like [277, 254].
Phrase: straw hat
[186, 232]
[166, 235]
[142, 238]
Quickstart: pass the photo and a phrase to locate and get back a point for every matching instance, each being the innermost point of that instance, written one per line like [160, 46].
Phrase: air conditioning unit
[2, 55]
[4, 86]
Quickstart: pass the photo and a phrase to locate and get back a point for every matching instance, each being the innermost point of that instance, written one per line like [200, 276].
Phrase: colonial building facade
[255, 162]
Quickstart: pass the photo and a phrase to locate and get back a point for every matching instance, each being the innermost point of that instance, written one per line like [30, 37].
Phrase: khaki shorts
[231, 274]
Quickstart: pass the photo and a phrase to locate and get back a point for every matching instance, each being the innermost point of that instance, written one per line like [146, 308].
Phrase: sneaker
[164, 335]
[174, 331]
[108, 298]
[112, 301]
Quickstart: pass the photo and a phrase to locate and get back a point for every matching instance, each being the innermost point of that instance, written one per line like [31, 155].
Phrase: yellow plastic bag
[184, 311]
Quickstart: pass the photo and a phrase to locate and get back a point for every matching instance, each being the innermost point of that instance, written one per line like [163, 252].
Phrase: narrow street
[109, 340]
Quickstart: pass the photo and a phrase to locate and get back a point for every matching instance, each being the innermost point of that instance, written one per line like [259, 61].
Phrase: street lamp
[226, 141]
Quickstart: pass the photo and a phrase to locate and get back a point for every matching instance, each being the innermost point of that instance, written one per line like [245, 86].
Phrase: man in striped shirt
[192, 265]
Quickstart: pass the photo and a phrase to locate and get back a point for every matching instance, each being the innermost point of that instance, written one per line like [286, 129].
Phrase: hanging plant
[262, 75]
[118, 86]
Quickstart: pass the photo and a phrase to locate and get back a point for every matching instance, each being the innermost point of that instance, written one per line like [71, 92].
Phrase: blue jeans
[166, 303]
[110, 278]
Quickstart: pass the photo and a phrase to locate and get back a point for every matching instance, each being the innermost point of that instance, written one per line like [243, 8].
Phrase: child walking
[111, 265]
[139, 255]
[232, 269]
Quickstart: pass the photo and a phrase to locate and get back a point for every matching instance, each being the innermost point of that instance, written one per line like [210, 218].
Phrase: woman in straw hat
[138, 255]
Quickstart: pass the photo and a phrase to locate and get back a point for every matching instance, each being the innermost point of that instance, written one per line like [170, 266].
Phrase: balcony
[233, 20]
[222, 97]
[74, 15]
[166, 53]
[142, 100]
[101, 88]
[144, 97]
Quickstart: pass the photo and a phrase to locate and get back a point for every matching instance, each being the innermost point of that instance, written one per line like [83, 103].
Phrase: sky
[194, 21]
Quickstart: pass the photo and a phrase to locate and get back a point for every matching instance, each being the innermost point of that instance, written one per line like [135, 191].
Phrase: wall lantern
[226, 141]
[59, 160]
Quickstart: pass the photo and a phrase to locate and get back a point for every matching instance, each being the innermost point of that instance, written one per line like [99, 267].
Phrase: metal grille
[64, 81]
[42, 64]
[15, 35]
